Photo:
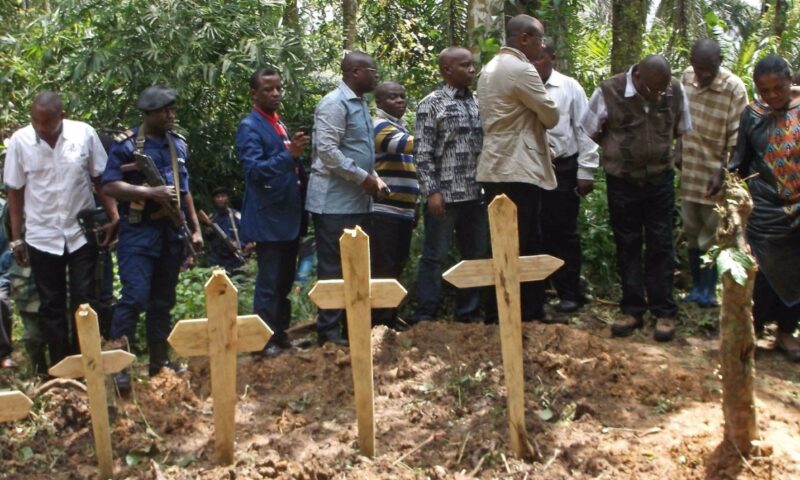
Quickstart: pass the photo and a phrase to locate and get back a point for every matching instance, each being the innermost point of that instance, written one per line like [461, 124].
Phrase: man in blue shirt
[272, 209]
[227, 219]
[150, 249]
[343, 179]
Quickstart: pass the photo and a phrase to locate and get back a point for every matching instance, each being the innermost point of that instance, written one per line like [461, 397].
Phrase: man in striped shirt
[393, 213]
[716, 100]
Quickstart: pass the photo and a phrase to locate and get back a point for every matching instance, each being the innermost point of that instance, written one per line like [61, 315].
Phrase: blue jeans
[327, 230]
[470, 223]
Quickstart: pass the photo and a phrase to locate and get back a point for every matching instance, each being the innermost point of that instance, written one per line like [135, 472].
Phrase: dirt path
[596, 408]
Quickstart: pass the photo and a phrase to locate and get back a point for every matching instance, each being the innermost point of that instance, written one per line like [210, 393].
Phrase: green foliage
[597, 241]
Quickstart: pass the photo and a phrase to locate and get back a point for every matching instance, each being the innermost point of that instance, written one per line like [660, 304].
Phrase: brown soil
[596, 408]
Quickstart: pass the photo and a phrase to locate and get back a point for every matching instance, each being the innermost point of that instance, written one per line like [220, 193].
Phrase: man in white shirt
[50, 168]
[575, 160]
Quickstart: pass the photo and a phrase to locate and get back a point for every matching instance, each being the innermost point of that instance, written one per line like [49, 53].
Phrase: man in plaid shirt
[716, 100]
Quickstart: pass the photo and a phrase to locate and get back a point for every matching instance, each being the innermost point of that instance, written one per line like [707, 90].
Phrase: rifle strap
[176, 175]
[235, 230]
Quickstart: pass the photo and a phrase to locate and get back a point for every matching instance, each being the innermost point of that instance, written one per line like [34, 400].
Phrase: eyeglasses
[373, 71]
[650, 93]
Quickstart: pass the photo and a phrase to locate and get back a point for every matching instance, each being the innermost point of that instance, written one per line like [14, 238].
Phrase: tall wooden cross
[93, 365]
[14, 405]
[505, 271]
[358, 294]
[220, 337]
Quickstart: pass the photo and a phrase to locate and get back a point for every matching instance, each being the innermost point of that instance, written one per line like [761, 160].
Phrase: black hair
[772, 64]
[262, 72]
[49, 100]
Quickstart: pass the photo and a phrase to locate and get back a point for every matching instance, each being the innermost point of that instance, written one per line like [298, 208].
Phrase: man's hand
[714, 184]
[108, 233]
[372, 185]
[299, 142]
[585, 187]
[436, 205]
[197, 240]
[20, 253]
[163, 193]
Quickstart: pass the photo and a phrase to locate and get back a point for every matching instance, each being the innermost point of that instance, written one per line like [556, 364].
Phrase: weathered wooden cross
[505, 271]
[221, 336]
[14, 405]
[358, 294]
[93, 365]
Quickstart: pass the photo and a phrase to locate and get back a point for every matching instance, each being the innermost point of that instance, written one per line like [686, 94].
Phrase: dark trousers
[469, 222]
[389, 244]
[642, 218]
[768, 307]
[5, 322]
[50, 274]
[276, 266]
[148, 285]
[327, 230]
[560, 229]
[528, 199]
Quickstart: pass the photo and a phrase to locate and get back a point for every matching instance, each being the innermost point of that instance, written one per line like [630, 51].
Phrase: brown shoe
[625, 325]
[8, 362]
[787, 344]
[665, 329]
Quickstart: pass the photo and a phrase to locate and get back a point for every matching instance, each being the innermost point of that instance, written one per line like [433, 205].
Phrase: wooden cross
[14, 406]
[505, 271]
[358, 294]
[220, 337]
[93, 365]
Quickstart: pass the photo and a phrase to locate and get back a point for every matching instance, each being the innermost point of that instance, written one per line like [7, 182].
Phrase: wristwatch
[16, 243]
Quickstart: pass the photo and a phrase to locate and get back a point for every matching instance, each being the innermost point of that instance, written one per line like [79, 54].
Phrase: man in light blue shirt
[343, 179]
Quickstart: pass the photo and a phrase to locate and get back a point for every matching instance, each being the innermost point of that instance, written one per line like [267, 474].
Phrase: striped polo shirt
[395, 165]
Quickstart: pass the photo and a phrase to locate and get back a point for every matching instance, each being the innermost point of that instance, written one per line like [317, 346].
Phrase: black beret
[155, 98]
[219, 190]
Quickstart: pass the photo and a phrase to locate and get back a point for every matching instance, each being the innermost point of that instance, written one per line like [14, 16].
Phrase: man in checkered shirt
[716, 100]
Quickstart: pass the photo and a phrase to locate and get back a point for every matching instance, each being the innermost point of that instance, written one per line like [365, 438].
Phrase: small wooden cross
[220, 337]
[358, 294]
[93, 365]
[14, 405]
[505, 271]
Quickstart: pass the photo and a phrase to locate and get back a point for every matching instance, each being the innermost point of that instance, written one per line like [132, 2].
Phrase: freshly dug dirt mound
[596, 408]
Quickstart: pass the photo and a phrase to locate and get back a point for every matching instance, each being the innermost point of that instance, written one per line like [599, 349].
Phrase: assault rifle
[145, 165]
[230, 244]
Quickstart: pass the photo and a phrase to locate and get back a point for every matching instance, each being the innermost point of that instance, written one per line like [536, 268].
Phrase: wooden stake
[221, 337]
[505, 271]
[14, 406]
[358, 293]
[93, 366]
[737, 337]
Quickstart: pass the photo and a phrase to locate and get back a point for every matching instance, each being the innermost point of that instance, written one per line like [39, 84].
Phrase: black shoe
[272, 351]
[567, 306]
[625, 325]
[282, 342]
[123, 382]
[334, 338]
[159, 358]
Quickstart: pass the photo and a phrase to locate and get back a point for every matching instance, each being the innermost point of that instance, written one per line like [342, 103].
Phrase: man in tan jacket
[515, 114]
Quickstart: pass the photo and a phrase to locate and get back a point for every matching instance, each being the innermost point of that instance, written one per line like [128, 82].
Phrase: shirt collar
[556, 79]
[381, 114]
[61, 133]
[630, 88]
[513, 51]
[717, 85]
[348, 92]
[453, 92]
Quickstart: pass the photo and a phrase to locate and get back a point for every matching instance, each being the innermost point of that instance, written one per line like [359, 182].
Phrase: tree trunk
[485, 27]
[349, 18]
[628, 23]
[737, 338]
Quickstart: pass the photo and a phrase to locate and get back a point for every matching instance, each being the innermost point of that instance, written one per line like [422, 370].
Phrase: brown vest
[637, 144]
